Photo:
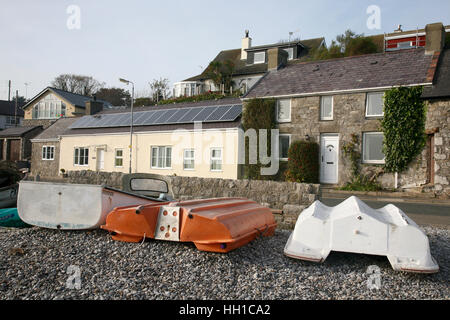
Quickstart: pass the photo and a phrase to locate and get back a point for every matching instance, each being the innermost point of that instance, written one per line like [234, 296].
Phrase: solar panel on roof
[218, 113]
[204, 114]
[234, 112]
[190, 115]
[156, 117]
[166, 116]
[142, 120]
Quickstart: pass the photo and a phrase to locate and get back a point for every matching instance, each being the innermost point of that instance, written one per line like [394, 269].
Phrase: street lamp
[131, 125]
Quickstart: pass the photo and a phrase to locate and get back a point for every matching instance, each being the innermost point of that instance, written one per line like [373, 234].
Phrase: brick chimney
[93, 107]
[246, 44]
[277, 58]
[435, 38]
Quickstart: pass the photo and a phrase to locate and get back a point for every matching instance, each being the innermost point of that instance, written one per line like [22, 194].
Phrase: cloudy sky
[145, 40]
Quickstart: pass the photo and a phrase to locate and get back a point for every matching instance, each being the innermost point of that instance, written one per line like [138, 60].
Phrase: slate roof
[441, 85]
[399, 68]
[241, 66]
[56, 129]
[74, 98]
[16, 131]
[7, 108]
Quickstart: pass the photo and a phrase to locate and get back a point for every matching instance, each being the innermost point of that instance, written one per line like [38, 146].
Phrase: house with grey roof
[15, 143]
[328, 101]
[185, 139]
[52, 103]
[250, 64]
[10, 115]
[45, 148]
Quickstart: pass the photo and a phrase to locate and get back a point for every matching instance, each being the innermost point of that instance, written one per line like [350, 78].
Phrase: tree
[160, 89]
[115, 96]
[221, 73]
[347, 44]
[85, 85]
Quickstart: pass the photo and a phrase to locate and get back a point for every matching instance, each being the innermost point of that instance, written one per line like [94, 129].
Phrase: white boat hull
[70, 206]
[352, 226]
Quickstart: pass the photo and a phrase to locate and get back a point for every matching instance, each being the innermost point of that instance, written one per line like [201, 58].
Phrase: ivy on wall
[403, 126]
[258, 114]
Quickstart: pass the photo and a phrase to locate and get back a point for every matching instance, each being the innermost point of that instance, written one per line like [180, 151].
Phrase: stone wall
[44, 168]
[45, 123]
[438, 118]
[289, 197]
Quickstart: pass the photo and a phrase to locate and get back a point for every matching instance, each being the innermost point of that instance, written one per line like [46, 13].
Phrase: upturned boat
[10, 218]
[72, 206]
[8, 196]
[214, 225]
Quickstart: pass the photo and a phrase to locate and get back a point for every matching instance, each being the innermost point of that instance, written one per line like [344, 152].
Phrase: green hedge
[303, 162]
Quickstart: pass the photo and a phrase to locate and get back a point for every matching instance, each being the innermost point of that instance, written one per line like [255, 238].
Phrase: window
[216, 159]
[81, 156]
[161, 157]
[118, 158]
[326, 108]
[284, 110]
[374, 104]
[290, 52]
[12, 120]
[285, 142]
[373, 147]
[48, 153]
[188, 159]
[49, 108]
[259, 57]
[405, 45]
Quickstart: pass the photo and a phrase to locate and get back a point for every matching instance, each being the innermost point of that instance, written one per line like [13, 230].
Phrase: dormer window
[259, 57]
[290, 52]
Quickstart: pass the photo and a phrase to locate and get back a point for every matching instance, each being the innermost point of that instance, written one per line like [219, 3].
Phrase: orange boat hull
[214, 225]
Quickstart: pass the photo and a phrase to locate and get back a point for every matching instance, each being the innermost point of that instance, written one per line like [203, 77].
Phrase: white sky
[144, 40]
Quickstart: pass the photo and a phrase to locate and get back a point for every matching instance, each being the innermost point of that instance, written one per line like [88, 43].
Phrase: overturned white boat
[352, 226]
[71, 206]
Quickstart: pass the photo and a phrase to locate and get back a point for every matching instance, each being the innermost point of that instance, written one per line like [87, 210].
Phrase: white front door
[100, 159]
[329, 157]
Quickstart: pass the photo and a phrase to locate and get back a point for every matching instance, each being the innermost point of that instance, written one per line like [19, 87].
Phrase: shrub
[303, 162]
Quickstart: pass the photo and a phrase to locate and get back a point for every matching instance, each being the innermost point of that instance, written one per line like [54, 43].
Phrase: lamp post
[131, 125]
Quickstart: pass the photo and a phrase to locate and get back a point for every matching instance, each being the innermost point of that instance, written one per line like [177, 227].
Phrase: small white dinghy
[353, 226]
[71, 206]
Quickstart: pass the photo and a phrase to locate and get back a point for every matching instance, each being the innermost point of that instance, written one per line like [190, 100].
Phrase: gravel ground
[35, 264]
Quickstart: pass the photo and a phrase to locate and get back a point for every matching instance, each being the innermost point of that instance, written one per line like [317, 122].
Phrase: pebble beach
[48, 264]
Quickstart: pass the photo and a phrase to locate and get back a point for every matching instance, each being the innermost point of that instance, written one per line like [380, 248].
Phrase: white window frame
[45, 153]
[332, 108]
[365, 134]
[117, 157]
[288, 51]
[189, 159]
[263, 53]
[79, 157]
[279, 146]
[277, 111]
[216, 159]
[164, 167]
[367, 106]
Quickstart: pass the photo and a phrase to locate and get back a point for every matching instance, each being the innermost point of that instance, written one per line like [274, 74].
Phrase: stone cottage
[328, 101]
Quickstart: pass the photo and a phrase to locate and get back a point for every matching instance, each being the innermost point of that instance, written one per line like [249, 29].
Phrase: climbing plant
[358, 181]
[403, 126]
[258, 114]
